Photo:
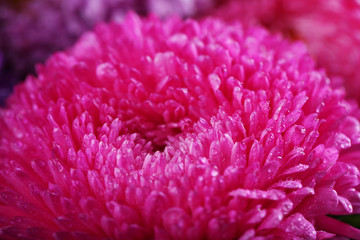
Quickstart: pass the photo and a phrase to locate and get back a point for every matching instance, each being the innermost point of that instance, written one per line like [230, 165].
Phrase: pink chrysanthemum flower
[177, 130]
[331, 30]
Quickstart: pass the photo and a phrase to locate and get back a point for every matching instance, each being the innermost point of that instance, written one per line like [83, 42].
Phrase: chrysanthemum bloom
[331, 29]
[177, 130]
[33, 29]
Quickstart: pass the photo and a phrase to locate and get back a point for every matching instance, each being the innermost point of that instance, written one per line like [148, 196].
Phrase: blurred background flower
[31, 30]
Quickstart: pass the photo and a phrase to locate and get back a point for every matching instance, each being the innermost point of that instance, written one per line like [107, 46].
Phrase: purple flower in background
[176, 129]
[184, 8]
[331, 30]
[32, 30]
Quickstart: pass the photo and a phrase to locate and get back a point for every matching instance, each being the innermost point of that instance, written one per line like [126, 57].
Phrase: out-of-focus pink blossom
[331, 30]
[176, 129]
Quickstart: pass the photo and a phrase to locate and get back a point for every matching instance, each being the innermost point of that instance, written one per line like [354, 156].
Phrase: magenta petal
[177, 223]
[296, 224]
[287, 184]
[323, 202]
[258, 194]
[346, 204]
[337, 227]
